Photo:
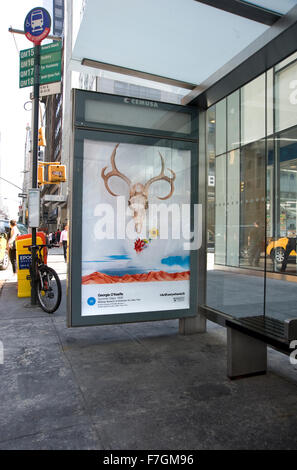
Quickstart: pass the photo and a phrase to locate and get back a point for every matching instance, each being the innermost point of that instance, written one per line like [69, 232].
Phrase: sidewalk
[132, 386]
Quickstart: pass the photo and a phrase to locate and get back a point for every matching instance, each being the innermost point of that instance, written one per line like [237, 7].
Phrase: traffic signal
[56, 173]
[41, 138]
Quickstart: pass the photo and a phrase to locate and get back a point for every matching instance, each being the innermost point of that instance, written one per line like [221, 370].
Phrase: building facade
[54, 214]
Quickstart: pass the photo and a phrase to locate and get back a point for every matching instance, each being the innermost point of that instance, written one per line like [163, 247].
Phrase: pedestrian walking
[12, 234]
[63, 241]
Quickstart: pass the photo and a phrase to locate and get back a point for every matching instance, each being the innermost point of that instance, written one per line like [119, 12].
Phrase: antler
[113, 172]
[160, 177]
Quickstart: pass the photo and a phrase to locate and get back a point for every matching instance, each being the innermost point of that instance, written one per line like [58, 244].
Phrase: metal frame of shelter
[101, 131]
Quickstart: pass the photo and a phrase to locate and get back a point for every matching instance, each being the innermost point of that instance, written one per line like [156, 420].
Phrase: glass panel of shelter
[252, 197]
[235, 275]
[282, 196]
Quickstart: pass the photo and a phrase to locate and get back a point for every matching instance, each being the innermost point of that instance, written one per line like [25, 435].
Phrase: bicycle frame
[39, 261]
[42, 277]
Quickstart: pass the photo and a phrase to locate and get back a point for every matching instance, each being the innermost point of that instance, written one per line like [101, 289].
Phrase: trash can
[24, 258]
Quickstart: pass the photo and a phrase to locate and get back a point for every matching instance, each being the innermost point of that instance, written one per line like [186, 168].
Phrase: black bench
[247, 340]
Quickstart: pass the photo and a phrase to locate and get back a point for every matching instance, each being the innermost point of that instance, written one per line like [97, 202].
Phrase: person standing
[58, 235]
[12, 234]
[291, 246]
[63, 241]
[255, 244]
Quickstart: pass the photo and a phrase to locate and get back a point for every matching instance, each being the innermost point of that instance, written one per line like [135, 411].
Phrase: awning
[182, 40]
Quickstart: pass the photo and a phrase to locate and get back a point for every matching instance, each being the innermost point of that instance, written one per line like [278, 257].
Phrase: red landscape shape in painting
[152, 276]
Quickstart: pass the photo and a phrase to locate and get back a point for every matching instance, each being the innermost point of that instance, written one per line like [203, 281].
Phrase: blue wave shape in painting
[112, 257]
[122, 272]
[177, 260]
[118, 257]
[95, 261]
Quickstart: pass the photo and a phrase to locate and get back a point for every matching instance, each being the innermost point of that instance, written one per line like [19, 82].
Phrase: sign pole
[35, 162]
[37, 26]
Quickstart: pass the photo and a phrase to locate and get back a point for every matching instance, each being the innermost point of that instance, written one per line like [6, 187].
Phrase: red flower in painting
[139, 245]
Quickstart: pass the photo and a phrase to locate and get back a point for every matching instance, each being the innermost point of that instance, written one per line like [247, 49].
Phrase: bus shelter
[228, 149]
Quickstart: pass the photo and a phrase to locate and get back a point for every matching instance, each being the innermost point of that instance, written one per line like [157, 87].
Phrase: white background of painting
[139, 163]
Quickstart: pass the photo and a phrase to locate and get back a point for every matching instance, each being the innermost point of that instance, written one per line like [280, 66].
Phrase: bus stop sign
[37, 25]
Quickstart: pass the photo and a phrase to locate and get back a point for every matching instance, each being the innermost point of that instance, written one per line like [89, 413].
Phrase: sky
[13, 117]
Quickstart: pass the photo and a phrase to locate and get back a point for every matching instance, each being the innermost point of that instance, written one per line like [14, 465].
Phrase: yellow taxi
[276, 249]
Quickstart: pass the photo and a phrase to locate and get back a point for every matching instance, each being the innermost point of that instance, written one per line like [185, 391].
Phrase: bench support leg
[192, 325]
[246, 356]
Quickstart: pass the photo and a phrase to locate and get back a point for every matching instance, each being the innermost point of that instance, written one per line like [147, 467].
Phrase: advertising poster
[136, 201]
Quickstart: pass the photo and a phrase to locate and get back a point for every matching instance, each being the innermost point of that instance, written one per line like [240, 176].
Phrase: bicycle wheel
[49, 289]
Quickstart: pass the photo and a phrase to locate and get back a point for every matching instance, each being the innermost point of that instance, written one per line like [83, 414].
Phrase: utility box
[24, 258]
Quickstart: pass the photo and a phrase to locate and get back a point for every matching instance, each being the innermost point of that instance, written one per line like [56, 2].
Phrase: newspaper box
[24, 257]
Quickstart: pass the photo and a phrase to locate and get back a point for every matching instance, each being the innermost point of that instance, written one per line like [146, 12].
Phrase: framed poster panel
[131, 222]
[133, 193]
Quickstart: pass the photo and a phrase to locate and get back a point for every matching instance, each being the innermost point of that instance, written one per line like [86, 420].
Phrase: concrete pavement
[133, 386]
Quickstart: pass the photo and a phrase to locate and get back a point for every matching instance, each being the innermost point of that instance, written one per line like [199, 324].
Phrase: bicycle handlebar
[39, 247]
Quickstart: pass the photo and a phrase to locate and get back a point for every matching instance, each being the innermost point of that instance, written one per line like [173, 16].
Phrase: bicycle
[48, 284]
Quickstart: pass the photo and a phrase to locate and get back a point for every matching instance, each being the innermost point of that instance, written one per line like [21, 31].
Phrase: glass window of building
[286, 97]
[221, 127]
[269, 102]
[253, 110]
[58, 12]
[233, 121]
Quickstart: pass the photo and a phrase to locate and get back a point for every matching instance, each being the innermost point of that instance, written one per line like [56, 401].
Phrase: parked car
[276, 249]
[4, 229]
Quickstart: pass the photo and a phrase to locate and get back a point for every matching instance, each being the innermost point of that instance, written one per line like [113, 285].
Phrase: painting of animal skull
[138, 193]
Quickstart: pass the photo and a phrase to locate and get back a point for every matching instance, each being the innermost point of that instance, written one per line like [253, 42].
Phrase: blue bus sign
[37, 25]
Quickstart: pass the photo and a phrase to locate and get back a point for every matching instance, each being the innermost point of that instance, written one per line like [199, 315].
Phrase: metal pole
[26, 167]
[24, 176]
[19, 31]
[7, 181]
[35, 162]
